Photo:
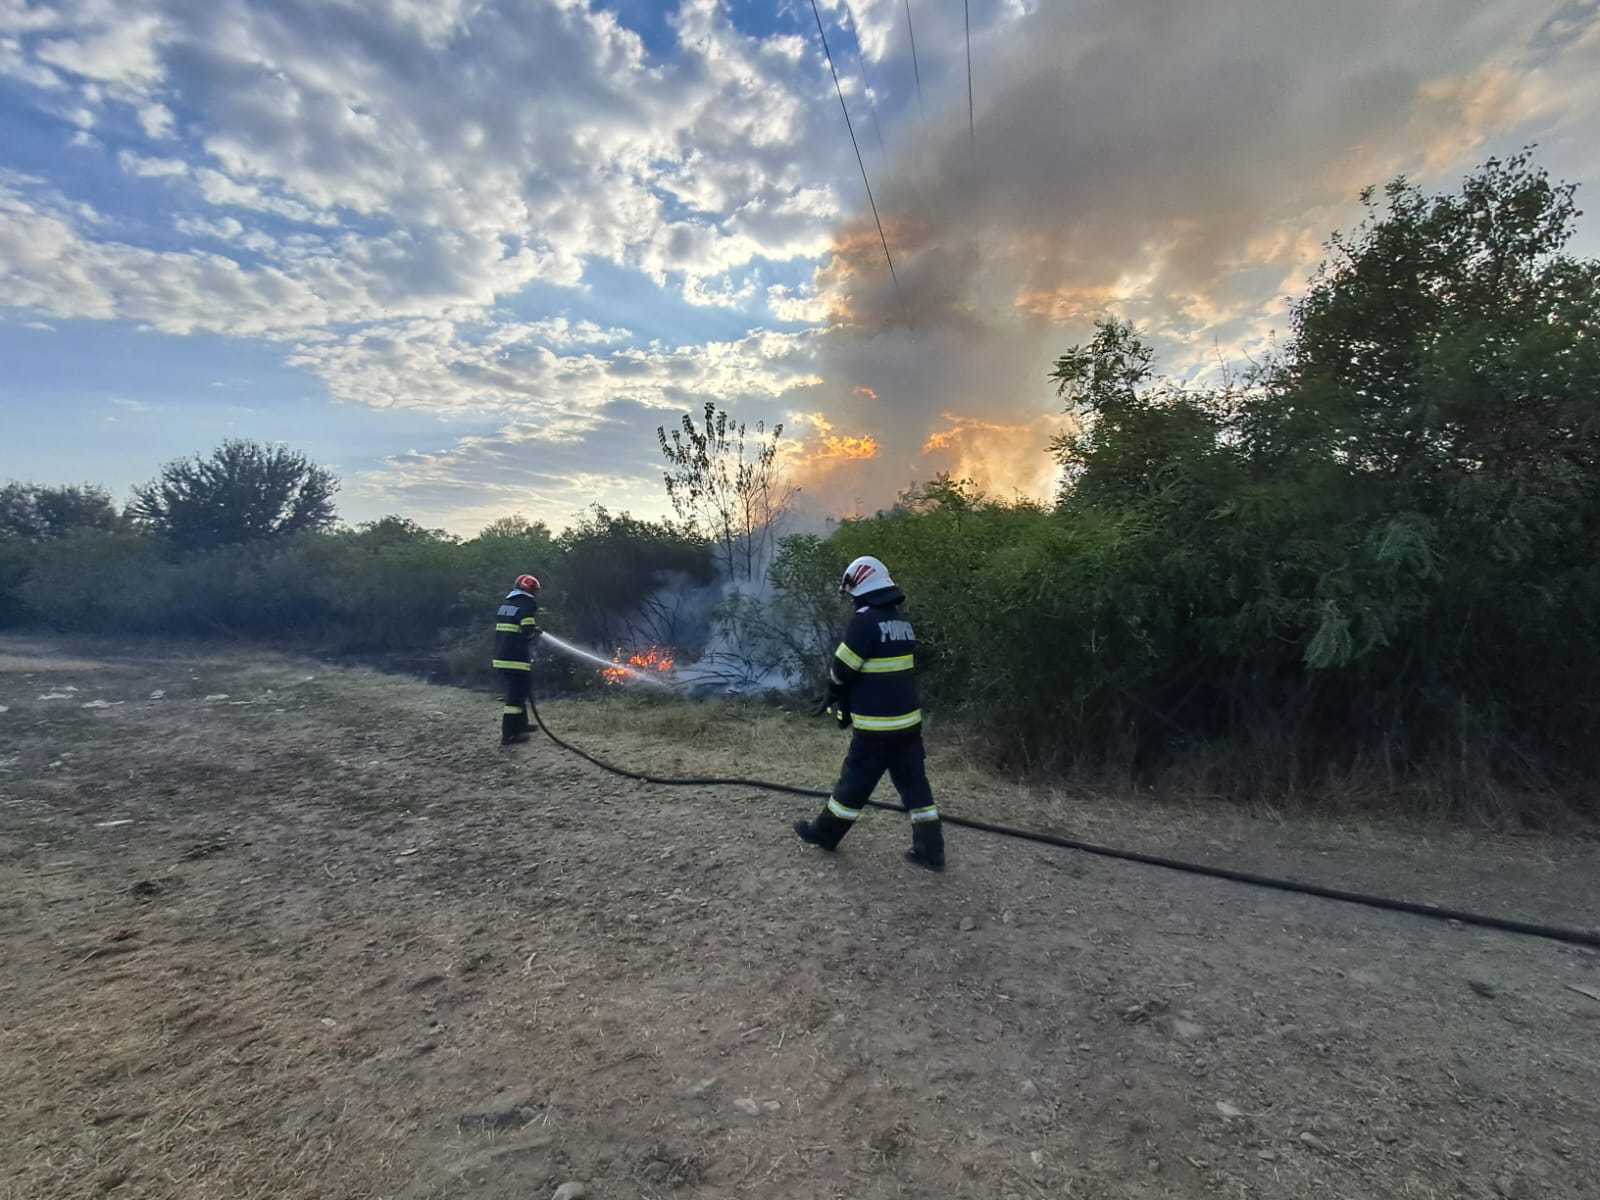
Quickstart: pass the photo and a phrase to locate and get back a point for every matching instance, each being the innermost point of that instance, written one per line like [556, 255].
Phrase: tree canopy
[242, 492]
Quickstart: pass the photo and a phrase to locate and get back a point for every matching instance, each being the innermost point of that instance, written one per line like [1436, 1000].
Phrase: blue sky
[471, 252]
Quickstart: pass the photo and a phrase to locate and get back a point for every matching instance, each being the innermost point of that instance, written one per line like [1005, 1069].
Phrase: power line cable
[972, 127]
[866, 84]
[845, 108]
[915, 68]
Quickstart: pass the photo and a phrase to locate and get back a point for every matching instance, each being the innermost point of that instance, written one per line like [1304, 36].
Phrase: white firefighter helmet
[865, 574]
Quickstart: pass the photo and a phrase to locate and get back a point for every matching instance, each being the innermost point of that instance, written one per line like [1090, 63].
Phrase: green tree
[1383, 545]
[391, 531]
[31, 512]
[244, 492]
[515, 527]
[728, 488]
[624, 580]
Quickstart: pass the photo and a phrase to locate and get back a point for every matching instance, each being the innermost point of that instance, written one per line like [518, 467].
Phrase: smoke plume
[1178, 165]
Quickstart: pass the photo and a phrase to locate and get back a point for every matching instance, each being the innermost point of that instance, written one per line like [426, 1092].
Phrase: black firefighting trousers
[514, 716]
[901, 755]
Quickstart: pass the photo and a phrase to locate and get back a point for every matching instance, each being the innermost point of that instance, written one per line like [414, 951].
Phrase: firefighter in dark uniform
[873, 691]
[516, 629]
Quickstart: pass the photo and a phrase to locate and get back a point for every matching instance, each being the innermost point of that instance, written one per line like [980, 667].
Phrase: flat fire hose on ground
[1578, 937]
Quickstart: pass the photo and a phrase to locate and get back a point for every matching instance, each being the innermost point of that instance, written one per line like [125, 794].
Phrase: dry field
[274, 929]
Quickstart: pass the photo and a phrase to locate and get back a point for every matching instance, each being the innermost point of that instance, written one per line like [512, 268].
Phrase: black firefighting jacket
[873, 672]
[515, 629]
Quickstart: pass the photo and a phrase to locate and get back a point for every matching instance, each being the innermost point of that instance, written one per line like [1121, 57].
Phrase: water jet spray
[605, 664]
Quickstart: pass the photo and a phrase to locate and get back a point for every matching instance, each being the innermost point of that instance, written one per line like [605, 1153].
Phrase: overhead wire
[916, 70]
[972, 126]
[850, 126]
[866, 84]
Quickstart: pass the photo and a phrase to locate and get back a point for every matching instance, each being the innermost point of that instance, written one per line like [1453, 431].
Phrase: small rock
[1153, 1165]
[1085, 1047]
[747, 1106]
[696, 1091]
[772, 1106]
[1228, 1111]
[968, 924]
[1267, 1155]
[1188, 1031]
[425, 981]
[1388, 1136]
[500, 1111]
[1029, 1089]
[656, 1171]
[571, 1191]
[1008, 918]
[1312, 1142]
[1487, 990]
[329, 1022]
[215, 696]
[158, 694]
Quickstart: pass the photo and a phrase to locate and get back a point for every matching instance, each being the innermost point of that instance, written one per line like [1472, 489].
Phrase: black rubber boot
[513, 729]
[825, 832]
[927, 845]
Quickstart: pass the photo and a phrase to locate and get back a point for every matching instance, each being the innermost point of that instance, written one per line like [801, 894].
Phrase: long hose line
[1579, 937]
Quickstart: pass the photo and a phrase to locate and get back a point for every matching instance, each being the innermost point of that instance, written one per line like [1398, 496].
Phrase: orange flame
[850, 447]
[864, 390]
[653, 659]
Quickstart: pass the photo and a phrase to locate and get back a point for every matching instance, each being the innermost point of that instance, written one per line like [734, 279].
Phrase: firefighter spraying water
[516, 629]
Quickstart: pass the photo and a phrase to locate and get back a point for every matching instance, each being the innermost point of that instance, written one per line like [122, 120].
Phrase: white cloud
[797, 304]
[117, 47]
[20, 16]
[225, 230]
[389, 187]
[16, 65]
[152, 168]
[157, 121]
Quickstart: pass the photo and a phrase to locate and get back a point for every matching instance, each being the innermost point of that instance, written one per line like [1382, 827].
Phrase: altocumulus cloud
[522, 214]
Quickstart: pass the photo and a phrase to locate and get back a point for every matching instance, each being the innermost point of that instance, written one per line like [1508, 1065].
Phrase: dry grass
[30, 664]
[354, 848]
[739, 739]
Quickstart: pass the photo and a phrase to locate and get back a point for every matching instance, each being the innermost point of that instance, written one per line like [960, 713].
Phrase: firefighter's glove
[840, 714]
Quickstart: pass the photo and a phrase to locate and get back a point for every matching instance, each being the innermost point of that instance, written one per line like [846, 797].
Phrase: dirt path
[284, 931]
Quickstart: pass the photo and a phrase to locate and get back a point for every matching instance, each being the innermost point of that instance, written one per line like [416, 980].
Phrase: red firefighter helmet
[527, 583]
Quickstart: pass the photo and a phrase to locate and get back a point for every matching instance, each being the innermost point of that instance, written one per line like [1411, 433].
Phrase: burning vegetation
[653, 659]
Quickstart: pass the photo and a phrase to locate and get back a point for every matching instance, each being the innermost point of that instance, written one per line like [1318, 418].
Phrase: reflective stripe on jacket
[874, 669]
